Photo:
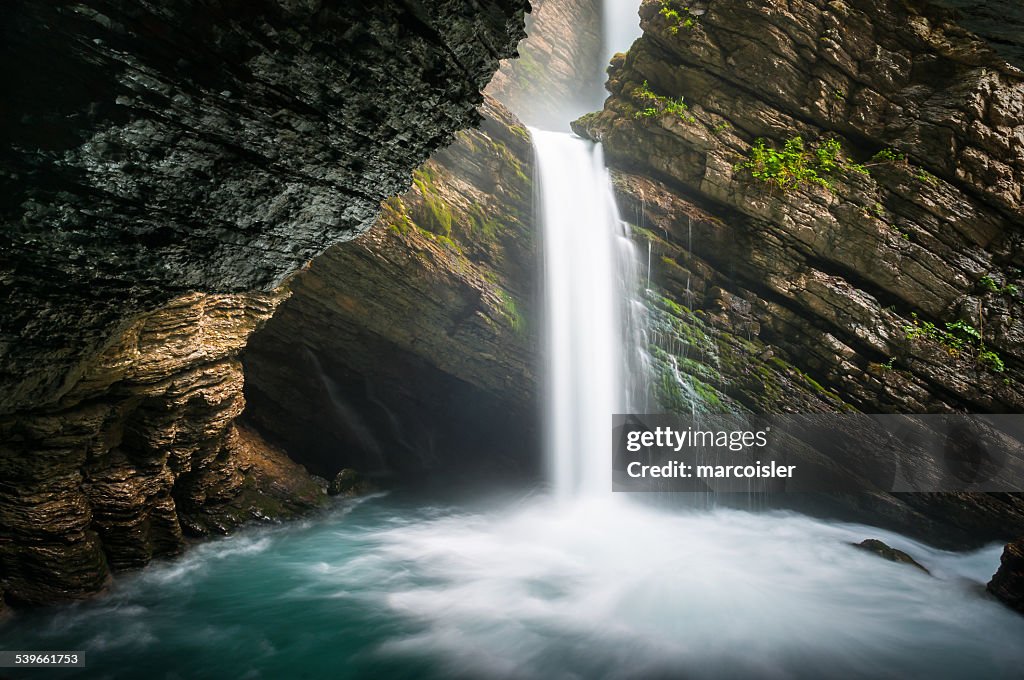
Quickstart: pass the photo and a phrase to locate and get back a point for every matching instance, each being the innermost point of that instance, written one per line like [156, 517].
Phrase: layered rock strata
[558, 73]
[866, 254]
[412, 348]
[1008, 582]
[143, 453]
[166, 169]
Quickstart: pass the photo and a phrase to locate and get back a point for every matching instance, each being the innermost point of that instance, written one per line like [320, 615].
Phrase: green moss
[510, 310]
[394, 214]
[521, 132]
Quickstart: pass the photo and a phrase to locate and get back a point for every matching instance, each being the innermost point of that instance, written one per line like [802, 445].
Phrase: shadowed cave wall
[165, 168]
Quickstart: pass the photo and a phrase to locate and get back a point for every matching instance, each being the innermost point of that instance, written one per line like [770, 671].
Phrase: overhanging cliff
[166, 167]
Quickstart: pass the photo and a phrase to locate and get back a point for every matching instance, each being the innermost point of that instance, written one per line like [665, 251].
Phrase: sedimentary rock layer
[559, 71]
[1008, 582]
[156, 150]
[166, 168]
[412, 347]
[868, 251]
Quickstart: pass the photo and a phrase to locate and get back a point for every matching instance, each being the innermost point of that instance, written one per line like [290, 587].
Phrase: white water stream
[593, 338]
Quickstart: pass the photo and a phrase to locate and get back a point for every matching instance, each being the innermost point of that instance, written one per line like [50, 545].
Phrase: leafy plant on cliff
[959, 337]
[987, 283]
[676, 16]
[788, 168]
[991, 361]
[654, 105]
[798, 163]
[889, 155]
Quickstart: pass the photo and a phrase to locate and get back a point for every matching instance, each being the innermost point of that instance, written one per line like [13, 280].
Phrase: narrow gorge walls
[167, 168]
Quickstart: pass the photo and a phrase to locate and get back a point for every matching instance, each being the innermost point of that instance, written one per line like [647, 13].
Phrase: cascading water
[593, 336]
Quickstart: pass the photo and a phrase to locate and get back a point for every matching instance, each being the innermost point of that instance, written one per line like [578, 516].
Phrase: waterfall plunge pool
[402, 586]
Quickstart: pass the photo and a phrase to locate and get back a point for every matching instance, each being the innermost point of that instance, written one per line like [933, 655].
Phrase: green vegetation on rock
[677, 16]
[958, 338]
[441, 215]
[655, 105]
[793, 166]
[987, 283]
[510, 310]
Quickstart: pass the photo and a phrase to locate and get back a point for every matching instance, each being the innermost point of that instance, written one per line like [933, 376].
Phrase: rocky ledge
[1008, 582]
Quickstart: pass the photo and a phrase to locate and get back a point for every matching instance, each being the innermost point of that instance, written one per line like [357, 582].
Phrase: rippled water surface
[394, 587]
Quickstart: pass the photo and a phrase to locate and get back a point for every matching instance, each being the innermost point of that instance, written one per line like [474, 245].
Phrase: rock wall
[166, 168]
[1008, 582]
[412, 348]
[156, 150]
[874, 263]
[144, 453]
[559, 71]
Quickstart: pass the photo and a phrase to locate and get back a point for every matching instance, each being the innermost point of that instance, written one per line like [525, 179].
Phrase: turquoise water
[406, 587]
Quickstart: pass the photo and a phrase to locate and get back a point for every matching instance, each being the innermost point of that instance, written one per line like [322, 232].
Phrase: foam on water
[604, 587]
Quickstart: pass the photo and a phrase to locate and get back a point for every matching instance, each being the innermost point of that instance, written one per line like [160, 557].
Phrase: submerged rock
[1008, 583]
[348, 482]
[886, 552]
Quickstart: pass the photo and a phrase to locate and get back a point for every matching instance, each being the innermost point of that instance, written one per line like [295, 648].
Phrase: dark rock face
[412, 347]
[892, 285]
[214, 147]
[1008, 582]
[166, 168]
[144, 452]
[999, 22]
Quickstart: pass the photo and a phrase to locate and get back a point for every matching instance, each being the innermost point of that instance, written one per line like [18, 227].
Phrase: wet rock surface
[167, 168]
[887, 552]
[157, 150]
[145, 454]
[1008, 583]
[558, 72]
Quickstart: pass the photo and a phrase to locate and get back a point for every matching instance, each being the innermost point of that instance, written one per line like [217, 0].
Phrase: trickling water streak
[649, 248]
[595, 362]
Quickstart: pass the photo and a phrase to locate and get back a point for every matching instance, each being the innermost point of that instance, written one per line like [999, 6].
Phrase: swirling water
[529, 587]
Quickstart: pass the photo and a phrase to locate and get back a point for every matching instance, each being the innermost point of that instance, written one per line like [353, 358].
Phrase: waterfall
[593, 323]
[621, 26]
